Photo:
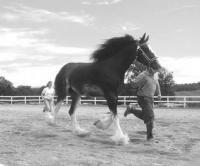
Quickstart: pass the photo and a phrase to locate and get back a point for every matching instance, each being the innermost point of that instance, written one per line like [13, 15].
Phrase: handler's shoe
[127, 111]
[150, 137]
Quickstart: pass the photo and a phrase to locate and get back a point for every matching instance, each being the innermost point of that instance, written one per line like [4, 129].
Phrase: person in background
[48, 97]
[147, 86]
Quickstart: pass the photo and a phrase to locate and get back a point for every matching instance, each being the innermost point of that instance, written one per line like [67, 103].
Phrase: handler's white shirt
[48, 93]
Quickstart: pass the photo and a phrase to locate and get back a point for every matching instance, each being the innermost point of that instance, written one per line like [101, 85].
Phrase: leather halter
[149, 60]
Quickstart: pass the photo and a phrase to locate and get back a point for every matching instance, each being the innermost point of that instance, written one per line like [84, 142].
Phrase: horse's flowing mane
[111, 47]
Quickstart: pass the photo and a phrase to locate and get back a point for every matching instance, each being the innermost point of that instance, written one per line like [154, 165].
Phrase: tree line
[166, 80]
[187, 87]
[7, 89]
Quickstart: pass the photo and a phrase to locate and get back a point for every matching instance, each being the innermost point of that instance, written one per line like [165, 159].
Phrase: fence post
[11, 100]
[67, 100]
[24, 99]
[184, 104]
[124, 100]
[95, 101]
[167, 101]
[80, 100]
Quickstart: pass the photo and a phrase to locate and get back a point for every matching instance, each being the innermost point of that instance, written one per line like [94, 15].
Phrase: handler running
[147, 86]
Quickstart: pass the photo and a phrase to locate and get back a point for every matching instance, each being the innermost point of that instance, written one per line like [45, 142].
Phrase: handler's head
[49, 84]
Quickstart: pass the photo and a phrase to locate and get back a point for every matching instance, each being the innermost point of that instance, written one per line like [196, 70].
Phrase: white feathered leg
[76, 129]
[119, 137]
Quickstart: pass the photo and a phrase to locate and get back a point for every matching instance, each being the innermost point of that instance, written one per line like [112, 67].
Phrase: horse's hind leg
[76, 129]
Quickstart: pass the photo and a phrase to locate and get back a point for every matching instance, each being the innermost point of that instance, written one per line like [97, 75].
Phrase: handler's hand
[159, 97]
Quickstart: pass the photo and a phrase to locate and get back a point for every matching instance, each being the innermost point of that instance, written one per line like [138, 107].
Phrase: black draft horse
[105, 73]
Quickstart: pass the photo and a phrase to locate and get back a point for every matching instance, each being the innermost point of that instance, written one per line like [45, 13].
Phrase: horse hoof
[81, 133]
[98, 124]
[86, 134]
[120, 140]
[104, 123]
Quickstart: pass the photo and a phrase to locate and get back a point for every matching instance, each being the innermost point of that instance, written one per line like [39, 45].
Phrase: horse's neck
[124, 59]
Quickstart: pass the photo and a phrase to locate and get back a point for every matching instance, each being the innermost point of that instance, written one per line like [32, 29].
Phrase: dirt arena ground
[26, 139]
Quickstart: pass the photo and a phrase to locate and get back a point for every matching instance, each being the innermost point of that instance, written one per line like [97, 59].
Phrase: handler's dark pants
[147, 114]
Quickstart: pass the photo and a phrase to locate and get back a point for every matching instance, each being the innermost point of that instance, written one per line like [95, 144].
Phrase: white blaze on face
[155, 57]
[150, 48]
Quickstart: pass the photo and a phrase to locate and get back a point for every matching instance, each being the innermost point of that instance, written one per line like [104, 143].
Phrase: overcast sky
[37, 37]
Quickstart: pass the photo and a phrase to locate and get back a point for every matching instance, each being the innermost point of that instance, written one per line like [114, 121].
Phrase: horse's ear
[147, 38]
[143, 39]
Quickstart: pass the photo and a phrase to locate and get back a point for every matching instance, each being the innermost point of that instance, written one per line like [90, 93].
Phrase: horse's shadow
[137, 137]
[136, 140]
[100, 141]
[141, 132]
[106, 140]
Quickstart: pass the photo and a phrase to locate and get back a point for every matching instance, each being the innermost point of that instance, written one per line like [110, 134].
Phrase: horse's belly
[92, 90]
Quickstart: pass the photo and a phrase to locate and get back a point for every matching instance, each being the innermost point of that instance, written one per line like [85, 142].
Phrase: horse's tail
[60, 86]
[61, 83]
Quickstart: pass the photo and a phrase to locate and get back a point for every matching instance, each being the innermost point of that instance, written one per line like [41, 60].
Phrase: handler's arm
[158, 92]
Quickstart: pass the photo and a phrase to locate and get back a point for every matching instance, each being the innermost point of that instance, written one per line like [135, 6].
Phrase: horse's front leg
[112, 104]
[119, 137]
[76, 129]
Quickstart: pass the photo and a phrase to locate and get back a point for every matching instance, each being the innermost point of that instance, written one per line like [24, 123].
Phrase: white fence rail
[166, 101]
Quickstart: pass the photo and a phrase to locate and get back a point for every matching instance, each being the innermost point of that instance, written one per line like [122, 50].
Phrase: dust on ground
[26, 139]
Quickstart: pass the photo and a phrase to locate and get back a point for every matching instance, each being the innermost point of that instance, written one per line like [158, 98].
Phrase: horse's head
[145, 55]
